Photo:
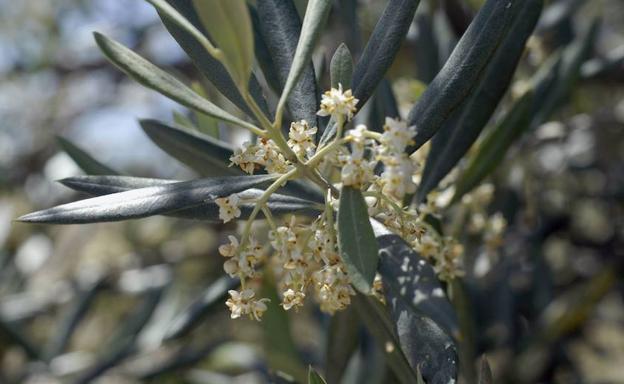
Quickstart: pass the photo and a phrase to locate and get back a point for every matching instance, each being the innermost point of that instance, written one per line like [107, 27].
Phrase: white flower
[243, 303]
[357, 171]
[336, 102]
[245, 158]
[292, 298]
[396, 178]
[229, 250]
[397, 136]
[301, 138]
[228, 207]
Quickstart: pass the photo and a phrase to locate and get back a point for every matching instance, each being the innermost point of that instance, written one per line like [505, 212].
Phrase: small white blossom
[396, 178]
[243, 303]
[292, 298]
[228, 207]
[245, 158]
[336, 102]
[301, 138]
[357, 171]
[397, 135]
[229, 250]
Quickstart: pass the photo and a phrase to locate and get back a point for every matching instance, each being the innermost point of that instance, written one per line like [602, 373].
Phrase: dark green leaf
[205, 155]
[356, 239]
[207, 210]
[456, 136]
[280, 27]
[263, 55]
[459, 15]
[603, 67]
[341, 67]
[210, 299]
[314, 377]
[384, 105]
[461, 73]
[375, 317]
[426, 44]
[85, 161]
[408, 277]
[494, 145]
[147, 201]
[210, 67]
[155, 78]
[313, 22]
[382, 47]
[422, 315]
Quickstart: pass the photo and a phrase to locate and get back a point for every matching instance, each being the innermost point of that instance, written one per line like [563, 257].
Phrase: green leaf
[375, 317]
[205, 124]
[210, 67]
[341, 67]
[314, 377]
[155, 78]
[203, 154]
[208, 210]
[426, 44]
[356, 240]
[494, 146]
[148, 201]
[485, 372]
[313, 23]
[263, 55]
[229, 25]
[456, 136]
[208, 302]
[85, 161]
[280, 26]
[422, 315]
[461, 72]
[408, 277]
[382, 47]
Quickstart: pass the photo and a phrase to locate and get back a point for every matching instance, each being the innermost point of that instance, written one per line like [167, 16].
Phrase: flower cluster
[303, 256]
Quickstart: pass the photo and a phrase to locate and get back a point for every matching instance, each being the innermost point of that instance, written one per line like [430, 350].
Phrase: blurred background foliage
[97, 302]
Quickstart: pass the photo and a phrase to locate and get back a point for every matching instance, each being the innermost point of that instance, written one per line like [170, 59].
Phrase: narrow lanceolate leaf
[314, 377]
[316, 13]
[460, 74]
[494, 145]
[341, 67]
[341, 343]
[280, 26]
[382, 47]
[147, 201]
[457, 135]
[411, 279]
[229, 25]
[202, 153]
[155, 78]
[210, 299]
[356, 239]
[85, 161]
[209, 66]
[208, 210]
[422, 315]
[377, 320]
[263, 54]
